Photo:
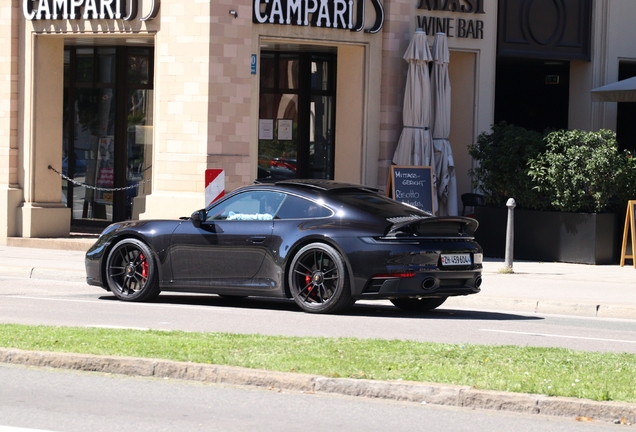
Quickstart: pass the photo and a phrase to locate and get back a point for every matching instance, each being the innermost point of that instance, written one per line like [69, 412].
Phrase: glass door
[296, 115]
[107, 131]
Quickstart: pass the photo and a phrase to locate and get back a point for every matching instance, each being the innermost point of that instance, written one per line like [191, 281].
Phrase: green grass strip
[549, 371]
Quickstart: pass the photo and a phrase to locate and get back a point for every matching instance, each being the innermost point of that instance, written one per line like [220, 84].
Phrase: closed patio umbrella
[414, 146]
[620, 91]
[440, 107]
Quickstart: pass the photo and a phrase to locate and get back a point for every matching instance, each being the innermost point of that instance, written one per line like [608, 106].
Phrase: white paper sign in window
[285, 129]
[266, 129]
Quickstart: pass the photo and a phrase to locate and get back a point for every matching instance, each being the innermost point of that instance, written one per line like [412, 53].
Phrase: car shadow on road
[362, 309]
[389, 311]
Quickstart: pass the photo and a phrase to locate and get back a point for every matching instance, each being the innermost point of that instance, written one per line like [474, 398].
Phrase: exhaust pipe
[477, 281]
[429, 283]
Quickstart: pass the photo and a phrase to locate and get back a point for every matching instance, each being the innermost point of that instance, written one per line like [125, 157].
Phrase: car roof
[324, 185]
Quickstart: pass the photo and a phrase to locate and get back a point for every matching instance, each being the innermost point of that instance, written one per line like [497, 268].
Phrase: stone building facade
[136, 99]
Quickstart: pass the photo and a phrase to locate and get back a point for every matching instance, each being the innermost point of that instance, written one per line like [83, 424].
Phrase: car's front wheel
[318, 280]
[131, 272]
[418, 304]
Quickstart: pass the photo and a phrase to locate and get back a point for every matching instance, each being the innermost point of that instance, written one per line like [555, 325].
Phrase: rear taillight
[394, 275]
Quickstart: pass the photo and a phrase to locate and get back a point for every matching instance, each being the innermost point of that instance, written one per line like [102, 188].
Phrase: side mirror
[198, 217]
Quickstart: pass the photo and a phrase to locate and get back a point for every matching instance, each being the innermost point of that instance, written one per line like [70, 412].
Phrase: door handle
[259, 239]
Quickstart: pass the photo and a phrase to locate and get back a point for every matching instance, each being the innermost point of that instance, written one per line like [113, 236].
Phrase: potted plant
[570, 189]
[503, 157]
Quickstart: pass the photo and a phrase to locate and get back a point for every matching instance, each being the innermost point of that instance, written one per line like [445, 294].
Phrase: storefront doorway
[297, 115]
[626, 112]
[108, 119]
[533, 94]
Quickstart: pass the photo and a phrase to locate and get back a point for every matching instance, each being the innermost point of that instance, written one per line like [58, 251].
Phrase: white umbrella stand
[415, 147]
[441, 117]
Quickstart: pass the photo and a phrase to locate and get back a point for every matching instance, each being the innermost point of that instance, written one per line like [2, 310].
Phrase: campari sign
[337, 14]
[126, 10]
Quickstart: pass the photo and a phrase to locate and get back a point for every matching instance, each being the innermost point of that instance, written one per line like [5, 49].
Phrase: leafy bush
[582, 171]
[503, 157]
[567, 170]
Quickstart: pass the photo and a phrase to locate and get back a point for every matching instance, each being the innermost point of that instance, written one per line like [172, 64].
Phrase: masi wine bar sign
[126, 10]
[467, 25]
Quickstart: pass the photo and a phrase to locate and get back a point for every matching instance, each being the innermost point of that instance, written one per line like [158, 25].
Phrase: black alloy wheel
[418, 304]
[131, 272]
[318, 280]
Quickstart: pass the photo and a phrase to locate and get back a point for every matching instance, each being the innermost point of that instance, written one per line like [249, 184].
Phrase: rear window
[299, 208]
[379, 205]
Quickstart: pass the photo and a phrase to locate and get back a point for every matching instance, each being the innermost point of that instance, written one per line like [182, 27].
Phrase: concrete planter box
[587, 238]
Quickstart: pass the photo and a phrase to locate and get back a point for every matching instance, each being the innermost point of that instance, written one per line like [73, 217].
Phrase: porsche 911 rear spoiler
[446, 226]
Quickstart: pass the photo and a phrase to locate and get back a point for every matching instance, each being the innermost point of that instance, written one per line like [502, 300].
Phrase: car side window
[254, 205]
[299, 208]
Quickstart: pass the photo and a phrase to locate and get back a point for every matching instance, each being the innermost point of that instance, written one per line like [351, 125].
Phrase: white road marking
[560, 336]
[54, 299]
[19, 429]
[113, 302]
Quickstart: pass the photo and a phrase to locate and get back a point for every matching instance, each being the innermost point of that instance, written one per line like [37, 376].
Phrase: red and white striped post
[214, 185]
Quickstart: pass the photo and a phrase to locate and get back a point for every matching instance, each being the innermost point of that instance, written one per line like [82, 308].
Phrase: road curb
[425, 393]
[78, 244]
[536, 306]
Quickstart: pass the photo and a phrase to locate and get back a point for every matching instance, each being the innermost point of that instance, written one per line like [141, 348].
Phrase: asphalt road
[48, 302]
[63, 400]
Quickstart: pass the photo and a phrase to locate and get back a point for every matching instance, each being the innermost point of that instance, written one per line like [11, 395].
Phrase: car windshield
[380, 205]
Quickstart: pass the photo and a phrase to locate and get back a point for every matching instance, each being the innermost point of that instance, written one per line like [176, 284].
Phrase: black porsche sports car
[323, 243]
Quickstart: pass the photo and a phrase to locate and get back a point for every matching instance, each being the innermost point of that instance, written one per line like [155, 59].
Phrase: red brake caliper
[144, 266]
[307, 282]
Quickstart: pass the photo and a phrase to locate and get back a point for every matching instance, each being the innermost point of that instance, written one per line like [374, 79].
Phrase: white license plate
[456, 259]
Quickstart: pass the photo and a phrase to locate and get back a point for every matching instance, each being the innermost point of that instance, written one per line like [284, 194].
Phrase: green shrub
[567, 170]
[502, 156]
[582, 171]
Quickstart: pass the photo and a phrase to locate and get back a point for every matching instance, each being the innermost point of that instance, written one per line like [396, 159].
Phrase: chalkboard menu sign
[412, 185]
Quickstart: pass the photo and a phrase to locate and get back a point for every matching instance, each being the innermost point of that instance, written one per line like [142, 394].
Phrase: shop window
[107, 141]
[84, 65]
[296, 115]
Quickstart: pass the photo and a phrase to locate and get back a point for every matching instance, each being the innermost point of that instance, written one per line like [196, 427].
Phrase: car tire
[131, 272]
[418, 304]
[319, 281]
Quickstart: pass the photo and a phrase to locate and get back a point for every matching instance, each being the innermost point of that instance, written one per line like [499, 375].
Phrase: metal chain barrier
[102, 189]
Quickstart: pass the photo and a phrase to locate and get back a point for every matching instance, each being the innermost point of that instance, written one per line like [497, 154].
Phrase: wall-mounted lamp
[234, 13]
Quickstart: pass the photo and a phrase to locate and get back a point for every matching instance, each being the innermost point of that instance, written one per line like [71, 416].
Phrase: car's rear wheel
[131, 272]
[418, 304]
[318, 280]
